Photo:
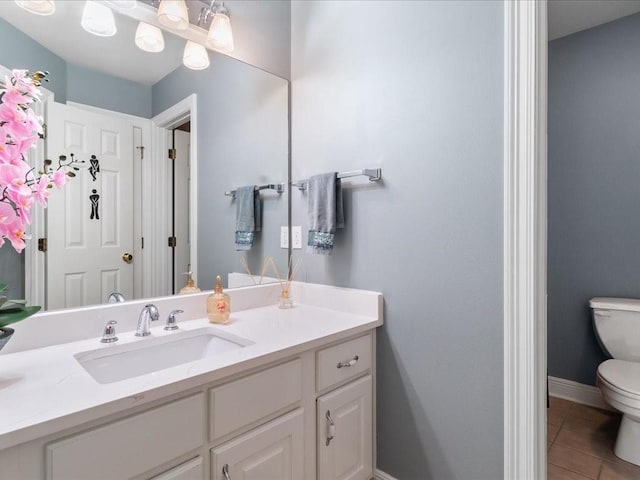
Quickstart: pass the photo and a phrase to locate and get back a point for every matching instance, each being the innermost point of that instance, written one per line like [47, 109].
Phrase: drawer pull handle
[225, 472]
[331, 428]
[350, 363]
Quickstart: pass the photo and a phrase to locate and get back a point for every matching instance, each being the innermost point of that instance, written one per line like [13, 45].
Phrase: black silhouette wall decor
[94, 167]
[95, 198]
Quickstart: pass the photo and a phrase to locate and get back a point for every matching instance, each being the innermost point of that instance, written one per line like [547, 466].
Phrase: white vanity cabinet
[344, 415]
[268, 422]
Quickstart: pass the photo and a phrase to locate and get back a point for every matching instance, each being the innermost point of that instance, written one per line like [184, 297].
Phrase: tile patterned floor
[580, 442]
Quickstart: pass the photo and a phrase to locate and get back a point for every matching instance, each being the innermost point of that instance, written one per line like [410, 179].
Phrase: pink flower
[11, 113]
[41, 190]
[14, 178]
[11, 227]
[20, 188]
[59, 178]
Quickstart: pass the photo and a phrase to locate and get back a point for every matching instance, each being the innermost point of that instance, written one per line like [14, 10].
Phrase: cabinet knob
[225, 472]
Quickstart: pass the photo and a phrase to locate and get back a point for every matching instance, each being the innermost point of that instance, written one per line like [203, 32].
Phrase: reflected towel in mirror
[248, 216]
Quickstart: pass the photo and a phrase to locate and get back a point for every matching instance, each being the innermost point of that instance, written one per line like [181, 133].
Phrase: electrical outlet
[296, 236]
[284, 237]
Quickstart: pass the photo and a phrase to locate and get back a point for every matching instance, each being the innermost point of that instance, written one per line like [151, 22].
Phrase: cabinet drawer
[129, 447]
[343, 361]
[246, 401]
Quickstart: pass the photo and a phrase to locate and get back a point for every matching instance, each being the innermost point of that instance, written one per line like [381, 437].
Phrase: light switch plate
[296, 236]
[284, 237]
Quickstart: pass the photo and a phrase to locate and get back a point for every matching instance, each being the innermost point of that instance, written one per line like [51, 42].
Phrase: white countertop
[45, 390]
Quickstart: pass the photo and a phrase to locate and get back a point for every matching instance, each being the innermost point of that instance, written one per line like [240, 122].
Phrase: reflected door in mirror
[90, 222]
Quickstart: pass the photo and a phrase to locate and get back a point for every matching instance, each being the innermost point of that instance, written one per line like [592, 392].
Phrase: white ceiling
[571, 16]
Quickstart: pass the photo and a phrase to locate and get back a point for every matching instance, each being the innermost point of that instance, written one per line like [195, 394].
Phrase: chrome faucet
[115, 297]
[149, 314]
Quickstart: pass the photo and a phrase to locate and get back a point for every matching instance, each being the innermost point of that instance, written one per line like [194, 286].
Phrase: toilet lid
[622, 375]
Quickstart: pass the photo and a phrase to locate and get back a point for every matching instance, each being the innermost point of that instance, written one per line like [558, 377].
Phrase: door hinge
[44, 135]
[172, 153]
[172, 242]
[42, 245]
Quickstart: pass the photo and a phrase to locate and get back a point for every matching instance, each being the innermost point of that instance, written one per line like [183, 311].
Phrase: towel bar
[278, 187]
[374, 174]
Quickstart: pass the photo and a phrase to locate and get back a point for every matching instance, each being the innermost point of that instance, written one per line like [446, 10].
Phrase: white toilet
[617, 324]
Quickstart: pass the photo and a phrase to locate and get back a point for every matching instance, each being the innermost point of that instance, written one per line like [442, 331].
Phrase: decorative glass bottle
[218, 304]
[285, 299]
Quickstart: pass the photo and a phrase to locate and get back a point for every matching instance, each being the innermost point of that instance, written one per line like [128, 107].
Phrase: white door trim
[172, 117]
[525, 216]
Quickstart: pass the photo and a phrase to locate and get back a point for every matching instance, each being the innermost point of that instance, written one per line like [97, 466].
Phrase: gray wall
[242, 140]
[20, 51]
[594, 186]
[416, 88]
[107, 91]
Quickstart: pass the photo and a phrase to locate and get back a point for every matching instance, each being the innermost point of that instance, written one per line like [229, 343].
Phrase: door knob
[127, 257]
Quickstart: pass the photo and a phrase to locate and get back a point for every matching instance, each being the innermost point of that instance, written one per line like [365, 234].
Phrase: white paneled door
[90, 222]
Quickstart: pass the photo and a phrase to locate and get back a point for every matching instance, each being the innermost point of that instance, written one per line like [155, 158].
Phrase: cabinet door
[191, 470]
[345, 432]
[271, 452]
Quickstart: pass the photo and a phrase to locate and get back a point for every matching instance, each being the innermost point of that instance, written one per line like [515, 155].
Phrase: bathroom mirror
[242, 139]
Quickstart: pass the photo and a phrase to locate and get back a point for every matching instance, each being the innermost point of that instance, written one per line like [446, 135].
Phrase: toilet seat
[621, 376]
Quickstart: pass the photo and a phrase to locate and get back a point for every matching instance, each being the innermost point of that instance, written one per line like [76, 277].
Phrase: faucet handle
[109, 334]
[171, 320]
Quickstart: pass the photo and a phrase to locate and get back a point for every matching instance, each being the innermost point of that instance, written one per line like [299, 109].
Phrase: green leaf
[9, 316]
[3, 287]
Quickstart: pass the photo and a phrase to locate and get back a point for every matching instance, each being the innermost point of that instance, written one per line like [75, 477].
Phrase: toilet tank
[617, 325]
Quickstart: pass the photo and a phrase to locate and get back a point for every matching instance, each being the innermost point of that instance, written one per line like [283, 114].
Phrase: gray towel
[248, 216]
[325, 210]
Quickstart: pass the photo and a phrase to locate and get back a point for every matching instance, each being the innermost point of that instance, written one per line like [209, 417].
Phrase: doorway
[180, 244]
[167, 263]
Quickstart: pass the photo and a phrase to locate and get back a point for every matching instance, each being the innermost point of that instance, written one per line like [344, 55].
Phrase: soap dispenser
[190, 287]
[218, 304]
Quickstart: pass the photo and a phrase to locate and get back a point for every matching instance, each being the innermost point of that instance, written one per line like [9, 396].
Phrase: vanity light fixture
[98, 19]
[39, 7]
[149, 38]
[173, 14]
[220, 36]
[195, 56]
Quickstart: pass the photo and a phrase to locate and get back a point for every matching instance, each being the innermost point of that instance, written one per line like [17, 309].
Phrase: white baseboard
[576, 392]
[380, 475]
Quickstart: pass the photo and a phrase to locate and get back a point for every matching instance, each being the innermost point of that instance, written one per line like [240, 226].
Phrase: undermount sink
[120, 362]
